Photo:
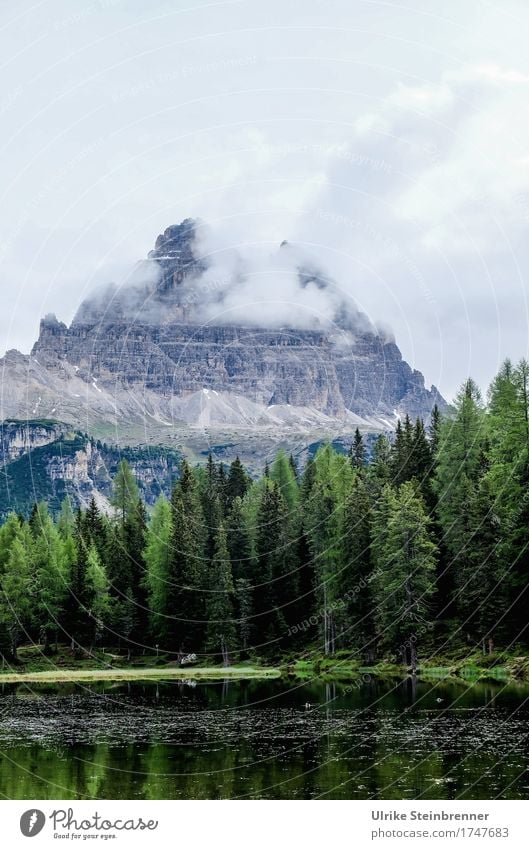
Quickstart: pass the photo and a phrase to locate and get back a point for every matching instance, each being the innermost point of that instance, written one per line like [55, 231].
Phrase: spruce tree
[355, 578]
[459, 468]
[358, 451]
[239, 543]
[404, 582]
[158, 556]
[237, 483]
[324, 523]
[220, 629]
[97, 595]
[185, 597]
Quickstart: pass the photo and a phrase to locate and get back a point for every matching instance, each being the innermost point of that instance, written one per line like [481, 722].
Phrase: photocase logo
[32, 822]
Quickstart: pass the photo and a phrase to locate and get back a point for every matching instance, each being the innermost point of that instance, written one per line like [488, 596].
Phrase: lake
[270, 739]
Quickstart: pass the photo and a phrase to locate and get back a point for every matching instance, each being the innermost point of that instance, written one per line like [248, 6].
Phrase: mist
[244, 283]
[271, 286]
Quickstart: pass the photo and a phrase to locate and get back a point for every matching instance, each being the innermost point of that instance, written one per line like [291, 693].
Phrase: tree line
[416, 545]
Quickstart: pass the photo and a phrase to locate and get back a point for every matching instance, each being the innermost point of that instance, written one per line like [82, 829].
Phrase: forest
[411, 547]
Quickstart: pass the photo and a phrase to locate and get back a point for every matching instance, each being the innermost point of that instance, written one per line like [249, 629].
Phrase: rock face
[175, 257]
[144, 356]
[50, 461]
[366, 375]
[18, 438]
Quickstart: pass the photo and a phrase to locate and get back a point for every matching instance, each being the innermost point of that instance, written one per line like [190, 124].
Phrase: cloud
[389, 144]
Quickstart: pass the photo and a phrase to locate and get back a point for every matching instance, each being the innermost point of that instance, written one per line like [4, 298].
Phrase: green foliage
[157, 556]
[284, 476]
[404, 581]
[221, 637]
[378, 557]
[16, 590]
[97, 594]
[125, 494]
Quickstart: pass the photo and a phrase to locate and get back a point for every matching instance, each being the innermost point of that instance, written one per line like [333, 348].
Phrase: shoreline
[65, 676]
[34, 667]
[309, 674]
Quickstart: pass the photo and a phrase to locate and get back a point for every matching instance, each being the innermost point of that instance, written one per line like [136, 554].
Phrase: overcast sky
[392, 140]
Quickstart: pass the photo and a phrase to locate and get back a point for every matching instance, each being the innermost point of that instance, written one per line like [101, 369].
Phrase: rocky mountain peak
[148, 352]
[174, 254]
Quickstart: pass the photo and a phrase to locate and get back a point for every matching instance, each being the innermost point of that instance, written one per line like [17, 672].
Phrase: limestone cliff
[141, 360]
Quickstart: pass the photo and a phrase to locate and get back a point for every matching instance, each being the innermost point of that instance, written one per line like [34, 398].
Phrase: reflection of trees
[375, 739]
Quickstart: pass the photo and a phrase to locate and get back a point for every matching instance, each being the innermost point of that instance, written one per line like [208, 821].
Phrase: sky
[389, 140]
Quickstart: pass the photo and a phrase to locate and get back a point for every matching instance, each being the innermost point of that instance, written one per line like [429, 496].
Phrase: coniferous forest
[396, 553]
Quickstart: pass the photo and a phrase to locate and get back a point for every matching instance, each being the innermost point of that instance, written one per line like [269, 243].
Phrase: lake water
[258, 739]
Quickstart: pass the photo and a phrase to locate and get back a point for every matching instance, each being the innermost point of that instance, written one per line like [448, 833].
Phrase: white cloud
[392, 140]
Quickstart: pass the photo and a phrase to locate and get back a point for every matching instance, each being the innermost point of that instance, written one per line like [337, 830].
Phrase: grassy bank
[213, 673]
[33, 666]
[499, 666]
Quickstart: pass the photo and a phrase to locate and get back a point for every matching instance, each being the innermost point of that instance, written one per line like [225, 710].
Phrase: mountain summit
[164, 352]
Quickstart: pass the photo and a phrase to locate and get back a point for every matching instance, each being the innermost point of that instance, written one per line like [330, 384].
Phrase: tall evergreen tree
[185, 599]
[324, 518]
[283, 474]
[158, 559]
[16, 590]
[355, 578]
[460, 466]
[97, 595]
[404, 582]
[358, 451]
[238, 481]
[51, 570]
[221, 630]
[239, 543]
[125, 493]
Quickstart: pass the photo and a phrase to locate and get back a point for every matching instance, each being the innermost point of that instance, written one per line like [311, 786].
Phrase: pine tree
[9, 531]
[356, 574]
[404, 582]
[134, 534]
[97, 595]
[358, 451]
[508, 476]
[324, 522]
[16, 590]
[421, 463]
[220, 630]
[457, 477]
[66, 519]
[435, 430]
[51, 569]
[239, 543]
[211, 507]
[401, 462]
[283, 474]
[276, 586]
[158, 555]
[237, 483]
[380, 471]
[307, 481]
[306, 602]
[125, 493]
[185, 601]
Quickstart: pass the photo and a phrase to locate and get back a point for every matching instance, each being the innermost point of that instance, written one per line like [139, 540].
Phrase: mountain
[47, 460]
[156, 361]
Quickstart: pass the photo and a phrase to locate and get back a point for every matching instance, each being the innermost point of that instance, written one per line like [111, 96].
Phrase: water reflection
[268, 739]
